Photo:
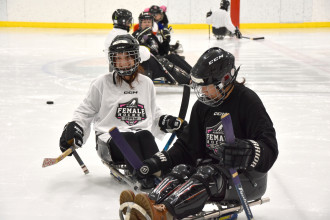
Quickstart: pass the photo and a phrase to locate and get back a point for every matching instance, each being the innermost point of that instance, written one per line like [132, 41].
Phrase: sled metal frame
[117, 172]
[203, 215]
[225, 209]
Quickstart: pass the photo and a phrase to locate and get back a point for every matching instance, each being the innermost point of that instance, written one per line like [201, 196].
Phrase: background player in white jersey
[122, 23]
[125, 99]
[221, 22]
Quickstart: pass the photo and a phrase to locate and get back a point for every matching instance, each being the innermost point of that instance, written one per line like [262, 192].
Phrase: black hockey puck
[50, 102]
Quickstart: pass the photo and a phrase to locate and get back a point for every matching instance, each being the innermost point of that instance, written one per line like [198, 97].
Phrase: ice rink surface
[290, 70]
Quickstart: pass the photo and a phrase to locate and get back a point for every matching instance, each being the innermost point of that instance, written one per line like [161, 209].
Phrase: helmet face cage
[124, 55]
[156, 10]
[145, 16]
[213, 94]
[213, 101]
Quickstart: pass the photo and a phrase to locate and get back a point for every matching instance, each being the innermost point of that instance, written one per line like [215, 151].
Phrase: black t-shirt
[250, 121]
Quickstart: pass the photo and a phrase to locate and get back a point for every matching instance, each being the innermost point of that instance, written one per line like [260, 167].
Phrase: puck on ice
[50, 102]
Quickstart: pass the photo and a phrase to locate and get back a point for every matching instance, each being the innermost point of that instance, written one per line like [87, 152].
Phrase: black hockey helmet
[127, 46]
[215, 67]
[224, 4]
[154, 9]
[122, 18]
[145, 16]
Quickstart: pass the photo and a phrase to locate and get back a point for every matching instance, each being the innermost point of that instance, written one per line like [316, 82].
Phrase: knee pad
[191, 196]
[210, 177]
[171, 182]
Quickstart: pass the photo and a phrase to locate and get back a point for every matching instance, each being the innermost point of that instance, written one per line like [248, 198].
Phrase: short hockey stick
[230, 138]
[81, 163]
[254, 38]
[51, 161]
[165, 70]
[125, 148]
[127, 151]
[182, 112]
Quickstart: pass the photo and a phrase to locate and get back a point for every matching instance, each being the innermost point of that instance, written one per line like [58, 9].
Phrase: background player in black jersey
[198, 161]
[178, 68]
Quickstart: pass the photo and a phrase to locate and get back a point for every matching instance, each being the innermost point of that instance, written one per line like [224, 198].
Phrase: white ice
[289, 70]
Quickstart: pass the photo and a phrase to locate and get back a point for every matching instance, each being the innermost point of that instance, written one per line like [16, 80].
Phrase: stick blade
[258, 38]
[48, 162]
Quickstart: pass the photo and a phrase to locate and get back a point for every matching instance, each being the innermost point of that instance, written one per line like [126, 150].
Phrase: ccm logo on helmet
[215, 59]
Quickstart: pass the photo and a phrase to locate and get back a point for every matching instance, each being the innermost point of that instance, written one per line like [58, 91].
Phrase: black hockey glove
[158, 162]
[240, 155]
[72, 132]
[166, 34]
[208, 14]
[143, 35]
[170, 124]
[238, 33]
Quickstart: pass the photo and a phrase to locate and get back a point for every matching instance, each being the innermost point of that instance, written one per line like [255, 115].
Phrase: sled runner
[225, 210]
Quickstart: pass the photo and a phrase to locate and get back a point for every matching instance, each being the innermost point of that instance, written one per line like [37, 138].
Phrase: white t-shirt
[144, 52]
[220, 18]
[108, 105]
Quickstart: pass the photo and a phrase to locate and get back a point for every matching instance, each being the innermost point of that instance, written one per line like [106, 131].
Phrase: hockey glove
[158, 162]
[240, 155]
[143, 35]
[166, 34]
[170, 124]
[238, 33]
[208, 14]
[72, 132]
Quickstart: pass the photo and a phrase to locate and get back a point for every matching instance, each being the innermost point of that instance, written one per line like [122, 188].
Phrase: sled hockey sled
[122, 175]
[224, 211]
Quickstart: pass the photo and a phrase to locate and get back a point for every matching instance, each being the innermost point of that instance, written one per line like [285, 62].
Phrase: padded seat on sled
[219, 33]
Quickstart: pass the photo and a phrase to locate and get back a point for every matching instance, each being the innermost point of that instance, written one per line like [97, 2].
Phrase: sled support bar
[234, 209]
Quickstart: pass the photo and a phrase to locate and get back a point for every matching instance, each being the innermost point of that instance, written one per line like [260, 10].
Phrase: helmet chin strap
[230, 90]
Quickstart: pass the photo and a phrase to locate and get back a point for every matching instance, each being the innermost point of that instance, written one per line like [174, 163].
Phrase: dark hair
[133, 77]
